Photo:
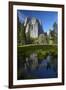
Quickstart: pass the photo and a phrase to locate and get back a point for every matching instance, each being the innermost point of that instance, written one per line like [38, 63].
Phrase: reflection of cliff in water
[32, 61]
[33, 68]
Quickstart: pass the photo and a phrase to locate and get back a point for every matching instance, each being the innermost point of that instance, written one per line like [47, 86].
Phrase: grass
[41, 50]
[36, 47]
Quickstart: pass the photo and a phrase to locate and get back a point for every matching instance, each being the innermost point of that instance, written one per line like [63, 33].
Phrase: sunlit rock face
[33, 27]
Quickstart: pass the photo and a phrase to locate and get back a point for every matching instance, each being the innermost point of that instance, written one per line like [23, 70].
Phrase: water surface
[35, 67]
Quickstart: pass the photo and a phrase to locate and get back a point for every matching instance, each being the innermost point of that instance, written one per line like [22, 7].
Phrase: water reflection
[31, 67]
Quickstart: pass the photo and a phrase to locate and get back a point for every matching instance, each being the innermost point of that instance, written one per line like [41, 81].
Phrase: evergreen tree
[18, 31]
[55, 29]
[22, 35]
[42, 39]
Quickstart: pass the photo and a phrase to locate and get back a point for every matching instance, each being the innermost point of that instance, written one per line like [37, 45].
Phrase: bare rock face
[33, 27]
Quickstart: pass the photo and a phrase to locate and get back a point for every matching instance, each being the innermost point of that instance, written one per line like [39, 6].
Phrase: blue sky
[47, 18]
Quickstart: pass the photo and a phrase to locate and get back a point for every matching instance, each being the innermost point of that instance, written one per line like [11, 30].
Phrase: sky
[47, 18]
